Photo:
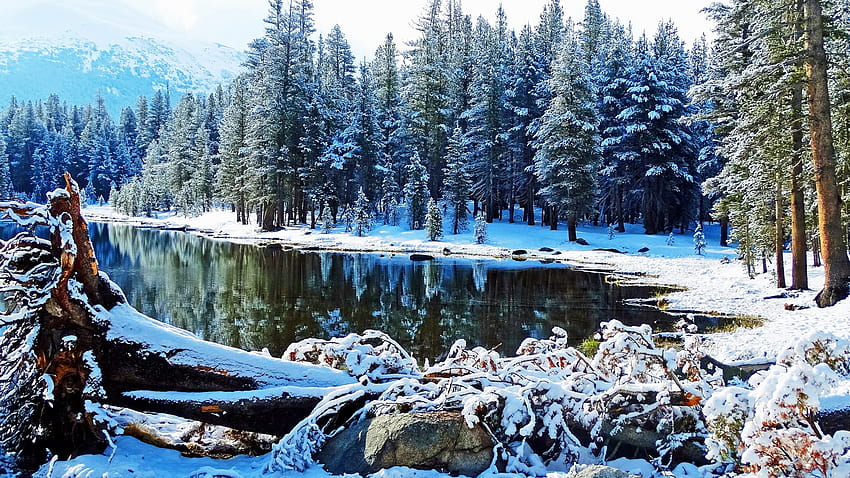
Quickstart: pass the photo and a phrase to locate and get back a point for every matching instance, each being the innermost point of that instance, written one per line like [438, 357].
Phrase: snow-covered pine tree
[391, 117]
[671, 239]
[427, 91]
[283, 82]
[456, 186]
[368, 137]
[656, 143]
[479, 233]
[128, 133]
[5, 178]
[203, 176]
[522, 103]
[327, 219]
[699, 240]
[567, 141]
[98, 145]
[613, 85]
[178, 143]
[434, 221]
[416, 193]
[232, 177]
[486, 115]
[361, 214]
[23, 135]
[392, 212]
[390, 193]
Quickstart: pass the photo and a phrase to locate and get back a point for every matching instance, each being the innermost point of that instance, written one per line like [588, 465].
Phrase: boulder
[421, 257]
[432, 440]
[600, 471]
[609, 249]
[546, 249]
[582, 241]
[519, 252]
[643, 249]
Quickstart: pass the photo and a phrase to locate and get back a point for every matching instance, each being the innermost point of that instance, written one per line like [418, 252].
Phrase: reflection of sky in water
[253, 297]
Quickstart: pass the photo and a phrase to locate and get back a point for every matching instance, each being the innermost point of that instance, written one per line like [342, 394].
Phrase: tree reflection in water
[253, 297]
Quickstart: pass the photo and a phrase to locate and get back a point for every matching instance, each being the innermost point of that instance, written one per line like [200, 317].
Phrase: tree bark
[799, 272]
[134, 352]
[779, 236]
[571, 228]
[833, 246]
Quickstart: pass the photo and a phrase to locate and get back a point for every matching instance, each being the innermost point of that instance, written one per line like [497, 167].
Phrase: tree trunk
[571, 228]
[779, 235]
[833, 247]
[133, 352]
[553, 218]
[724, 231]
[621, 224]
[799, 273]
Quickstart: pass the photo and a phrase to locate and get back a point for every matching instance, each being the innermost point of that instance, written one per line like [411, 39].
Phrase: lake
[261, 297]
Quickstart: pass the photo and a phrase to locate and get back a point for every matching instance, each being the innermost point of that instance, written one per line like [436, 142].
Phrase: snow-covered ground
[715, 281]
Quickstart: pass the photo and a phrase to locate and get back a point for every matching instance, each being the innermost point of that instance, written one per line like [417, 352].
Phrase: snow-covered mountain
[75, 49]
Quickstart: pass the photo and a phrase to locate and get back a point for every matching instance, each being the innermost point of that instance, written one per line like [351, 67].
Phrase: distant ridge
[79, 50]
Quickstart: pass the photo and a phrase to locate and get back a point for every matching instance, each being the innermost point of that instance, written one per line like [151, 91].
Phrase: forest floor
[715, 281]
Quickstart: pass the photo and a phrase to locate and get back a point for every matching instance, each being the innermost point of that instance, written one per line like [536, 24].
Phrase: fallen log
[77, 339]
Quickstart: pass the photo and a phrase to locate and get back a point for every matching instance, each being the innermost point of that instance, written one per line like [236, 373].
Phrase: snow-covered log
[70, 338]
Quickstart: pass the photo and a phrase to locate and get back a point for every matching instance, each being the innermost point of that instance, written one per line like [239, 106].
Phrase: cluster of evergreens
[580, 120]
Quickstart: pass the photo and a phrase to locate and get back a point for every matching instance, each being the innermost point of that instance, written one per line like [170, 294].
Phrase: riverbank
[716, 282]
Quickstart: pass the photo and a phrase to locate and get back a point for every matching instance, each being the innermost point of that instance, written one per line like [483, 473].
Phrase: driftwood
[85, 326]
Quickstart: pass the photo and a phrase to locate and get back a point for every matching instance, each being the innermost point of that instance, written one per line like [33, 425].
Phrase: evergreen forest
[562, 122]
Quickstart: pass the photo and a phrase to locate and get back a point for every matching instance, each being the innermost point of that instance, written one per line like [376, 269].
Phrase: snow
[715, 282]
[127, 324]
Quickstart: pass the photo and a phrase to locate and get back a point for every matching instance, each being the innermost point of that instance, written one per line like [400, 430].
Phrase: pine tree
[655, 144]
[392, 118]
[486, 116]
[699, 240]
[833, 241]
[232, 177]
[456, 186]
[522, 103]
[416, 193]
[361, 214]
[427, 92]
[22, 138]
[613, 90]
[327, 219]
[567, 141]
[434, 221]
[128, 133]
[479, 233]
[5, 177]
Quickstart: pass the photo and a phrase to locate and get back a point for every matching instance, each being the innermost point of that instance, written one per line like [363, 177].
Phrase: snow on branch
[547, 403]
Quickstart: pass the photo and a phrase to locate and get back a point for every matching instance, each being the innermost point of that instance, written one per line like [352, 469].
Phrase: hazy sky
[364, 22]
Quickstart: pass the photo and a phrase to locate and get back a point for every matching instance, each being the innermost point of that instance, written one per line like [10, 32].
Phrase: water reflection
[252, 297]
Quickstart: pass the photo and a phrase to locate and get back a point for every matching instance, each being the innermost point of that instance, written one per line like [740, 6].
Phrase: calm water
[254, 297]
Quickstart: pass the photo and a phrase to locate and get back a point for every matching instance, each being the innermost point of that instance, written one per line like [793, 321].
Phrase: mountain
[77, 49]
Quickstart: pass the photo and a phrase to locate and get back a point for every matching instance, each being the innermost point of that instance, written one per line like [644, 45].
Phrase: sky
[364, 22]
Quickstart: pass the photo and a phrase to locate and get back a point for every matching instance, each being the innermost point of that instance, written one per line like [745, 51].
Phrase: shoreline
[713, 283]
